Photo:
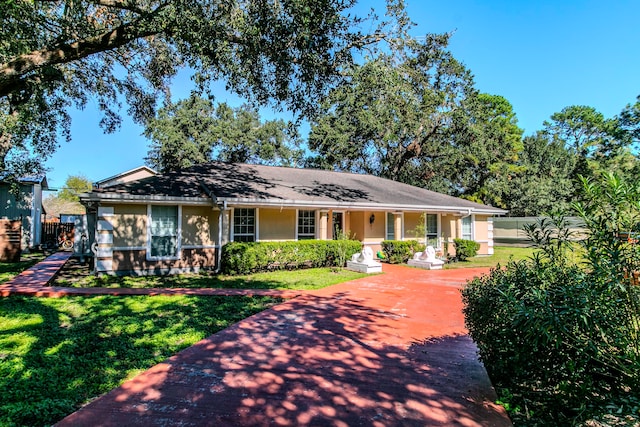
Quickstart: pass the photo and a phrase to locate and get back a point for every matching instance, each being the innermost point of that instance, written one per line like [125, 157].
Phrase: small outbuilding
[23, 203]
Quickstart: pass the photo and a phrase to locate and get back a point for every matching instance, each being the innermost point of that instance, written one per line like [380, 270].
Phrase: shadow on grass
[56, 354]
[74, 274]
[9, 270]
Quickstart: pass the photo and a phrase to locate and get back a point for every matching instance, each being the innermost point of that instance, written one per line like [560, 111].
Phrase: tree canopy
[414, 115]
[392, 110]
[540, 179]
[66, 201]
[194, 131]
[60, 53]
[73, 187]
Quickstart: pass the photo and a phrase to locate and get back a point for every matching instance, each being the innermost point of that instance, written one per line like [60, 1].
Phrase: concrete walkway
[37, 276]
[386, 350]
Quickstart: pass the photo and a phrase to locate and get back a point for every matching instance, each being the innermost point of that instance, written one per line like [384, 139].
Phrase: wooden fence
[52, 231]
[10, 240]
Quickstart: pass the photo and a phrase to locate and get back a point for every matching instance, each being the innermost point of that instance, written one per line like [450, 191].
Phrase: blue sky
[540, 55]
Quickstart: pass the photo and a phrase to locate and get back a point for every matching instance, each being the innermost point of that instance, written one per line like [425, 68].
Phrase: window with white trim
[306, 225]
[467, 228]
[432, 230]
[244, 225]
[164, 230]
[391, 226]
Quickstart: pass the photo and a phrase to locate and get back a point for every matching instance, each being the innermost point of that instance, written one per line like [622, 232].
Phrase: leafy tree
[585, 131]
[413, 115]
[179, 134]
[60, 53]
[599, 144]
[393, 109]
[241, 137]
[629, 123]
[488, 135]
[194, 131]
[66, 201]
[74, 186]
[538, 181]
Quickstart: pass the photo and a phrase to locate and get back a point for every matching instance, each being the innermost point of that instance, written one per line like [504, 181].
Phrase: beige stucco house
[177, 222]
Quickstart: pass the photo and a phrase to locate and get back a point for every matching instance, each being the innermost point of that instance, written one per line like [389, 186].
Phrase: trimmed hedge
[400, 251]
[244, 258]
[465, 248]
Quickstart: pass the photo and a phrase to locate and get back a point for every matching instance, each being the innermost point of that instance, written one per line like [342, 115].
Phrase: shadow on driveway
[380, 351]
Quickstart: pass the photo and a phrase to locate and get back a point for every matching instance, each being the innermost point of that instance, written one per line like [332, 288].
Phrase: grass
[305, 279]
[44, 341]
[57, 354]
[501, 255]
[8, 270]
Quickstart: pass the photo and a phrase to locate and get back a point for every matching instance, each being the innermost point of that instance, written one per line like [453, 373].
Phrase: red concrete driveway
[387, 350]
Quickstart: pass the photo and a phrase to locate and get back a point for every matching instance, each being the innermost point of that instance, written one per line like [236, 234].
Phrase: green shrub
[465, 248]
[560, 338]
[399, 251]
[244, 258]
[552, 333]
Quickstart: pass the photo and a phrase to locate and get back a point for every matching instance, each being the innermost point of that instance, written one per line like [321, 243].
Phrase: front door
[338, 224]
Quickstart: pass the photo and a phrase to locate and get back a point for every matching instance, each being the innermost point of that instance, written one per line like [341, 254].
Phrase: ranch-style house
[179, 221]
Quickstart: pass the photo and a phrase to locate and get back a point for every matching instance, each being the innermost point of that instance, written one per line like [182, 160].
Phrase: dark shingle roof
[256, 183]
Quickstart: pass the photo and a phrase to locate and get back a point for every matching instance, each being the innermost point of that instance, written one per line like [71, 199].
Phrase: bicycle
[64, 242]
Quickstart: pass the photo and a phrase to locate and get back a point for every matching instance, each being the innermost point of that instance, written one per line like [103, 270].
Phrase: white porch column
[323, 225]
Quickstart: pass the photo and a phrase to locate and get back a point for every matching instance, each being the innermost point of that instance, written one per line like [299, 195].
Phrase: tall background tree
[538, 181]
[61, 53]
[414, 115]
[392, 116]
[67, 200]
[599, 144]
[195, 131]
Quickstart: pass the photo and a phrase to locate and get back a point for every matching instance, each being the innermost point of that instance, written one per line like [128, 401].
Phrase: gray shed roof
[243, 184]
[31, 179]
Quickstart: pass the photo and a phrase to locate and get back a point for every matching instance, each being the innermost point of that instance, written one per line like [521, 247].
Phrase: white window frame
[315, 224]
[233, 224]
[438, 232]
[472, 220]
[344, 223]
[178, 254]
[386, 225]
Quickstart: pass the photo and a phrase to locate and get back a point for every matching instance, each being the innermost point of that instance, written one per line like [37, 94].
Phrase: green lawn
[43, 342]
[305, 279]
[58, 353]
[502, 255]
[8, 270]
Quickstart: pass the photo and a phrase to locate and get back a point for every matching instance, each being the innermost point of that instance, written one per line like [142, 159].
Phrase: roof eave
[152, 199]
[280, 203]
[360, 206]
